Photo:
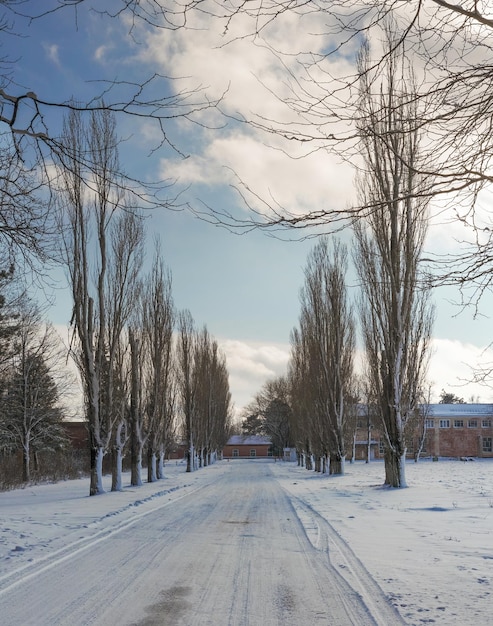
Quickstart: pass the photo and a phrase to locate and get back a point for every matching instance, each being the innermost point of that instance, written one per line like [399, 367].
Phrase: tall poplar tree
[396, 313]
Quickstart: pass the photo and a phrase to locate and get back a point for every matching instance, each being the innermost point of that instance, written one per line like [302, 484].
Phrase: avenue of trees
[393, 298]
[134, 378]
[144, 387]
[411, 110]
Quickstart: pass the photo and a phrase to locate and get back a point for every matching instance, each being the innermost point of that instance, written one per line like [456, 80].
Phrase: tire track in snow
[323, 536]
[41, 565]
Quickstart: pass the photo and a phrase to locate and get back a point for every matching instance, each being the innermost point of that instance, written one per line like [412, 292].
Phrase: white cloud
[315, 182]
[52, 51]
[101, 52]
[257, 85]
[250, 365]
[452, 369]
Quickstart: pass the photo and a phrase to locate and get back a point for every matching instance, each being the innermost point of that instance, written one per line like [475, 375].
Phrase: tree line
[136, 374]
[149, 377]
[428, 79]
[393, 294]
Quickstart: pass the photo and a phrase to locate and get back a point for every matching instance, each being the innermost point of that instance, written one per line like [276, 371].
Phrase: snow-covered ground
[429, 547]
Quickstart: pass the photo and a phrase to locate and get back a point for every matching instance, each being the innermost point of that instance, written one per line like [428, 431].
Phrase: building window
[429, 423]
[486, 424]
[381, 446]
[458, 423]
[253, 452]
[444, 423]
[236, 452]
[472, 423]
[487, 444]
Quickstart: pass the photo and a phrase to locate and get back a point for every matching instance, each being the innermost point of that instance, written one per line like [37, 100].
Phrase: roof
[248, 440]
[462, 410]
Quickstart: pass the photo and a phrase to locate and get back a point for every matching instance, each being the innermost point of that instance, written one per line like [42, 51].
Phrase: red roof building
[247, 447]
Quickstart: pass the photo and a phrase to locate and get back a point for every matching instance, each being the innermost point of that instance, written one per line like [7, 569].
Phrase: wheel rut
[324, 538]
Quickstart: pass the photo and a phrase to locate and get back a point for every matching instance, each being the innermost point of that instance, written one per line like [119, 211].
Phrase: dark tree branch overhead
[449, 44]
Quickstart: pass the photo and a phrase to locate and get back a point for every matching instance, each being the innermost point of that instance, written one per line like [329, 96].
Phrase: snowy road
[238, 551]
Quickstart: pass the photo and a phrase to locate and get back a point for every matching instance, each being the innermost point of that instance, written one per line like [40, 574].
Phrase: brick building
[451, 430]
[247, 446]
[459, 430]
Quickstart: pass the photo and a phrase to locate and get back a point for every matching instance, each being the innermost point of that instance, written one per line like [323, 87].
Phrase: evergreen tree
[31, 419]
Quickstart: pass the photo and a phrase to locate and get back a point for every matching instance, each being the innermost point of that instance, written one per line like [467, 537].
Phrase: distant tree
[417, 430]
[31, 417]
[186, 351]
[446, 397]
[136, 410]
[302, 399]
[252, 424]
[277, 418]
[158, 322]
[327, 338]
[269, 413]
[212, 407]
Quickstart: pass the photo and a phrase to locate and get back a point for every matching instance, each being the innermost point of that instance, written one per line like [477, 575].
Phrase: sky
[427, 547]
[244, 287]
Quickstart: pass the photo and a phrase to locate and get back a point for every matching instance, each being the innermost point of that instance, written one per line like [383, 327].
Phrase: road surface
[239, 551]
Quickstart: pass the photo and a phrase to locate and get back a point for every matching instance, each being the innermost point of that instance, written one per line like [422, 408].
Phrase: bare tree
[270, 413]
[302, 398]
[327, 323]
[395, 310]
[212, 407]
[136, 411]
[158, 321]
[27, 117]
[92, 264]
[32, 137]
[126, 257]
[186, 351]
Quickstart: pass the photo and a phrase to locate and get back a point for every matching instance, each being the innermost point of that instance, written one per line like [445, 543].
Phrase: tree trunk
[395, 469]
[117, 460]
[190, 460]
[151, 466]
[160, 465]
[136, 464]
[337, 464]
[136, 443]
[96, 471]
[26, 463]
[116, 469]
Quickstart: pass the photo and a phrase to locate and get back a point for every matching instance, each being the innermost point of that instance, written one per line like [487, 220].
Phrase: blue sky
[245, 288]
